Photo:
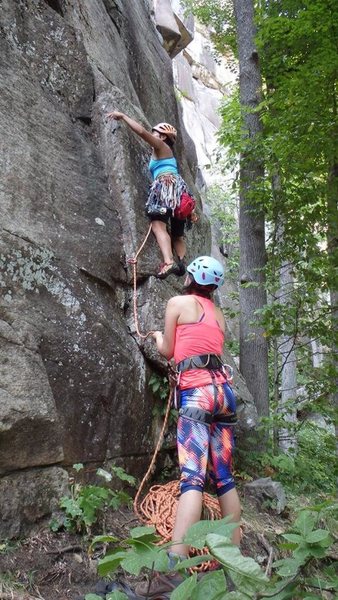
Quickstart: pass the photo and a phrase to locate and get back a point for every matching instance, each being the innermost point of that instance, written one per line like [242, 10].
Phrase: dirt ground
[57, 566]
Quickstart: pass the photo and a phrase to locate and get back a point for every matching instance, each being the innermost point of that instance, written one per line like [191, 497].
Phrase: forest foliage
[297, 43]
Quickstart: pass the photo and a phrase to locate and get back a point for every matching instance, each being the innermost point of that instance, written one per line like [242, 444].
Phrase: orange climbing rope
[158, 507]
[139, 510]
[133, 261]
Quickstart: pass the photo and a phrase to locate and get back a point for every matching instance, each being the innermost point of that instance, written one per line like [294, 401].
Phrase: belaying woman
[194, 333]
[165, 193]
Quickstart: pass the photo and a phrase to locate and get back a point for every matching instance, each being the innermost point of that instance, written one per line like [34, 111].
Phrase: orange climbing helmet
[166, 129]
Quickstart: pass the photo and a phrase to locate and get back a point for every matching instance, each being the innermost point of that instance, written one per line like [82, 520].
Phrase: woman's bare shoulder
[182, 301]
[178, 300]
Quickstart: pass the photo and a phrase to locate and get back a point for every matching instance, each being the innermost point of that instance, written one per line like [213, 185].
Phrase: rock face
[267, 490]
[72, 190]
[202, 82]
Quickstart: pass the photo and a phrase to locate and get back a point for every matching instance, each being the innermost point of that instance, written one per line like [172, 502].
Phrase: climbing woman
[194, 334]
[165, 193]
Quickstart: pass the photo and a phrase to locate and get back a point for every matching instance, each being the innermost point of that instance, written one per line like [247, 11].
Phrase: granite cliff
[72, 191]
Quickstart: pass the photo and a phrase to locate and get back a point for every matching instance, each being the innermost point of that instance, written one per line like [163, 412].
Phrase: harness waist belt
[212, 362]
[197, 414]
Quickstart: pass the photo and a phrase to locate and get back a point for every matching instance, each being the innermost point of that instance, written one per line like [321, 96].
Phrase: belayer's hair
[199, 290]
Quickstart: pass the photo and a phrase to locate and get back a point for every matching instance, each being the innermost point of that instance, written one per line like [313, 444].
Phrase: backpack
[185, 208]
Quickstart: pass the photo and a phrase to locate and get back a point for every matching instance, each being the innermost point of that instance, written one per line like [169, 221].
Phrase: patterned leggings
[206, 447]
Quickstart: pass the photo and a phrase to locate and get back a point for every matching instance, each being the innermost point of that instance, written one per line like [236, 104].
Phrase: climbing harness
[165, 193]
[211, 362]
[197, 414]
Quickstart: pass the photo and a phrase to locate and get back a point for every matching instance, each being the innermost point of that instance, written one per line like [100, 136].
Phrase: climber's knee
[187, 487]
[191, 481]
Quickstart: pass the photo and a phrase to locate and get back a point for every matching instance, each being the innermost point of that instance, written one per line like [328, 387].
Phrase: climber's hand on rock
[116, 115]
[194, 217]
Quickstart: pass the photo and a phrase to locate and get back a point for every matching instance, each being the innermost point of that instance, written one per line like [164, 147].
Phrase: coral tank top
[203, 337]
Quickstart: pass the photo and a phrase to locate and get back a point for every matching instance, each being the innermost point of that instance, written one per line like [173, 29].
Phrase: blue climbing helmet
[206, 270]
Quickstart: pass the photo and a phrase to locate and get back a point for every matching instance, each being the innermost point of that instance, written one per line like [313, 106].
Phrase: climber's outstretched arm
[153, 141]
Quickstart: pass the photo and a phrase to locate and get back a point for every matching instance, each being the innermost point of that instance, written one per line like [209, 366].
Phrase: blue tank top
[163, 165]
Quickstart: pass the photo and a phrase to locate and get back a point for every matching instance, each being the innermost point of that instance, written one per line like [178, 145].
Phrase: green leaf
[92, 597]
[119, 499]
[140, 532]
[144, 535]
[71, 507]
[78, 467]
[231, 557]
[103, 539]
[116, 595]
[122, 475]
[293, 537]
[305, 522]
[302, 553]
[319, 582]
[233, 596]
[318, 535]
[282, 591]
[196, 534]
[286, 546]
[210, 586]
[288, 567]
[316, 551]
[246, 585]
[327, 505]
[142, 556]
[110, 562]
[185, 589]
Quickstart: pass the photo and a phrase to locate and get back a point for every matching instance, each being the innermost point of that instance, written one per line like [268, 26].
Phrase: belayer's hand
[116, 115]
[158, 336]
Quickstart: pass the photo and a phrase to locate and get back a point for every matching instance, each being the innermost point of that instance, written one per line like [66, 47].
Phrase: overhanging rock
[176, 36]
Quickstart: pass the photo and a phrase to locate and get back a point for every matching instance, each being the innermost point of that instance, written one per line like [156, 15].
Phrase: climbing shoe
[180, 268]
[159, 587]
[166, 269]
[103, 589]
[119, 586]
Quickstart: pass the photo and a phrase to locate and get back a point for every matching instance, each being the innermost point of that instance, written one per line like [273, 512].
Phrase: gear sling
[211, 362]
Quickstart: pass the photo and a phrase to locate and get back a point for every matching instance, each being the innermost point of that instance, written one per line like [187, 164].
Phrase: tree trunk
[317, 353]
[333, 256]
[253, 345]
[286, 378]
